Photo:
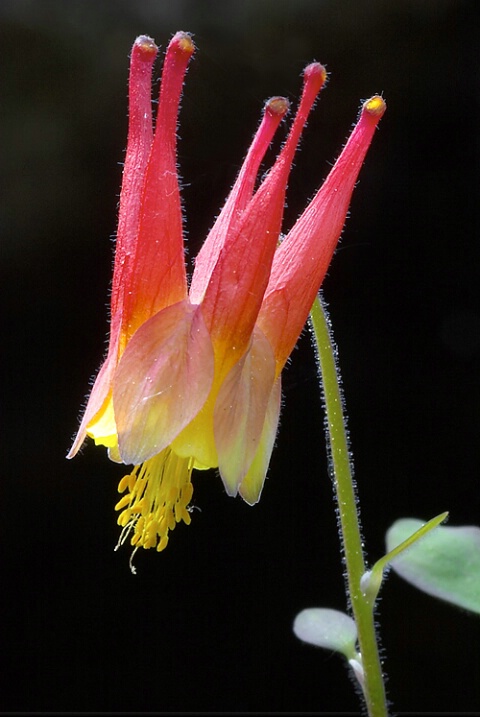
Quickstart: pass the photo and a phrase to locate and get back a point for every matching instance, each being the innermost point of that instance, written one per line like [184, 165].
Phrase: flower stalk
[369, 672]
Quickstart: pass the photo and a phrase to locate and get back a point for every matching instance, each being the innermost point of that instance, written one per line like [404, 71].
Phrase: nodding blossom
[192, 376]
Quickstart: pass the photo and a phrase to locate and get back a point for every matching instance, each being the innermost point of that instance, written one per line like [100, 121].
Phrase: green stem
[374, 689]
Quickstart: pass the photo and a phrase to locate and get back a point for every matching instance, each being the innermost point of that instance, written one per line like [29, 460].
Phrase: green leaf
[445, 563]
[371, 580]
[331, 629]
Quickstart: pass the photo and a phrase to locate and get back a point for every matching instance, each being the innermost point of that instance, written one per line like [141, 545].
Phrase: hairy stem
[373, 687]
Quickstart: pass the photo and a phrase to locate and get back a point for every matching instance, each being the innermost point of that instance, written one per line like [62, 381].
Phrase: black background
[206, 626]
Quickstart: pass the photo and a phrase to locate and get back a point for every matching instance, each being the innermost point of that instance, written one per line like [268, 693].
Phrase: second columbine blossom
[192, 374]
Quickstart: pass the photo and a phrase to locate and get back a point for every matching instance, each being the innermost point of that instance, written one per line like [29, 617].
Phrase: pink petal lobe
[140, 135]
[157, 275]
[96, 400]
[251, 486]
[101, 388]
[302, 259]
[162, 381]
[239, 279]
[139, 142]
[240, 410]
[275, 109]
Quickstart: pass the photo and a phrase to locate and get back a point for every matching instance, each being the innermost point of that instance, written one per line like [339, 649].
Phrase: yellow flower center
[159, 492]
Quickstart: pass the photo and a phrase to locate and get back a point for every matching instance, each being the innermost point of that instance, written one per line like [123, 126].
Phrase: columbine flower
[192, 375]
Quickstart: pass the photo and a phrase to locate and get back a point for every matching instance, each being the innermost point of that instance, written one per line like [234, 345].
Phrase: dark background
[207, 625]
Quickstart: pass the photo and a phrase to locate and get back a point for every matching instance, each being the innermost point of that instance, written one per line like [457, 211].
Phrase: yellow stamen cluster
[159, 492]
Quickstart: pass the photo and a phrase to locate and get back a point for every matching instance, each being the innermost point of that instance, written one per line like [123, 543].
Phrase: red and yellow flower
[192, 374]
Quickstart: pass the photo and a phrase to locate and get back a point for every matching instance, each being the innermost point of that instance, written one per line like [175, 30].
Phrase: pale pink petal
[251, 486]
[162, 381]
[240, 411]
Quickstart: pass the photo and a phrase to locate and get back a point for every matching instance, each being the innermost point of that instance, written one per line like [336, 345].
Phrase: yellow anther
[178, 512]
[123, 502]
[138, 507]
[131, 481]
[162, 526]
[123, 518]
[140, 524]
[187, 493]
[162, 544]
[124, 483]
[151, 527]
[150, 541]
